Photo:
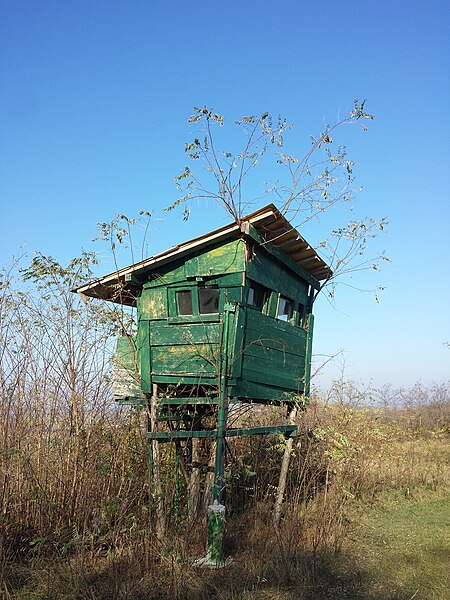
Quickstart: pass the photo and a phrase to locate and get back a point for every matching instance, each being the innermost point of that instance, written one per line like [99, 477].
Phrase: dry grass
[75, 517]
[347, 462]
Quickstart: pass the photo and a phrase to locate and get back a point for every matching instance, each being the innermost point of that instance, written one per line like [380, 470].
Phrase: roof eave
[268, 221]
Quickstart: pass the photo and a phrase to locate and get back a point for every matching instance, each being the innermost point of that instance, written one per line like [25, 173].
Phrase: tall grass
[75, 515]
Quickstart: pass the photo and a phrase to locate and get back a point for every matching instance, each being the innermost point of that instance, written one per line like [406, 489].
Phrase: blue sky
[93, 109]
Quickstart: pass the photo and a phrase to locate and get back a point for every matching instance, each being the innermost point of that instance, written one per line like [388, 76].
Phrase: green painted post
[223, 406]
[144, 356]
[216, 528]
[216, 511]
[308, 354]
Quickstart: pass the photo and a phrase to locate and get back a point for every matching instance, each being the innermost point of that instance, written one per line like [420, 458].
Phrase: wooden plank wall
[272, 357]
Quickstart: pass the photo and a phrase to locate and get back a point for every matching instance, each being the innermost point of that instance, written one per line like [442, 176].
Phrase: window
[184, 303]
[300, 314]
[257, 295]
[284, 312]
[208, 300]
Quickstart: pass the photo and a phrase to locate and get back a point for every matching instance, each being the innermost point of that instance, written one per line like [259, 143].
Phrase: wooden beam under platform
[168, 436]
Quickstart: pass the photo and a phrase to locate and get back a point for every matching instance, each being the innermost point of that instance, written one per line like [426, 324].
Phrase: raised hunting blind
[225, 318]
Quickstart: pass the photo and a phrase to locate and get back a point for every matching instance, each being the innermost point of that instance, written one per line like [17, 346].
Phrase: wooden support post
[209, 479]
[216, 511]
[292, 415]
[284, 471]
[156, 467]
[222, 412]
[194, 481]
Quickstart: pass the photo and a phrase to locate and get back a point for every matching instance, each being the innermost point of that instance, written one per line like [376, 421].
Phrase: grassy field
[403, 548]
[398, 550]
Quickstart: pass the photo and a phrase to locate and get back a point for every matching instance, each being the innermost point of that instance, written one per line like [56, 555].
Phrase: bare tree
[305, 188]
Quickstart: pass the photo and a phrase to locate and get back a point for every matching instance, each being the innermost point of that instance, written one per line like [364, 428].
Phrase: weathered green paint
[265, 357]
[216, 530]
[265, 393]
[268, 353]
[236, 345]
[225, 281]
[153, 303]
[185, 333]
[126, 380]
[309, 339]
[188, 359]
[143, 341]
[221, 259]
[260, 351]
[266, 272]
[222, 413]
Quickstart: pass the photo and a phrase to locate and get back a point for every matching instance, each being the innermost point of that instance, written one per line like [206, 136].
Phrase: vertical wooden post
[194, 481]
[156, 467]
[292, 415]
[308, 356]
[222, 413]
[209, 479]
[284, 471]
[216, 511]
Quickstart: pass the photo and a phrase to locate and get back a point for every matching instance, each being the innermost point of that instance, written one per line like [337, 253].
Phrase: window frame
[301, 314]
[177, 307]
[254, 285]
[173, 315]
[208, 287]
[292, 311]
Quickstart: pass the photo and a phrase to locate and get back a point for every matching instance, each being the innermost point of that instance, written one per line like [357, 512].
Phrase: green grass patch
[402, 548]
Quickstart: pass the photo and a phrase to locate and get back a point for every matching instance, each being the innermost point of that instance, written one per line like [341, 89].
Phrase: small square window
[257, 295]
[184, 303]
[208, 300]
[284, 312]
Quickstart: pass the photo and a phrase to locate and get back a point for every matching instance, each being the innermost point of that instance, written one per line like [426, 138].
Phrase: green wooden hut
[258, 276]
[225, 317]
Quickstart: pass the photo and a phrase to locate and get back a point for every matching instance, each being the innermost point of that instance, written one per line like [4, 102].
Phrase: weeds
[75, 516]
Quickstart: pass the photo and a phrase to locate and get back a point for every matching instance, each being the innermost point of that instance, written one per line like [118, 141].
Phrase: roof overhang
[268, 222]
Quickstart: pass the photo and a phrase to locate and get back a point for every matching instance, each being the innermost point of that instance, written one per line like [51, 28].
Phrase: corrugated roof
[269, 223]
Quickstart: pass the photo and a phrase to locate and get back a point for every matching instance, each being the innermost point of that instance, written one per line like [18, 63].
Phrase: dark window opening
[257, 295]
[284, 312]
[301, 314]
[184, 303]
[208, 300]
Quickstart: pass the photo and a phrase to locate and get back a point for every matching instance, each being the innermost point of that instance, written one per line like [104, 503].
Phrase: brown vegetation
[75, 516]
